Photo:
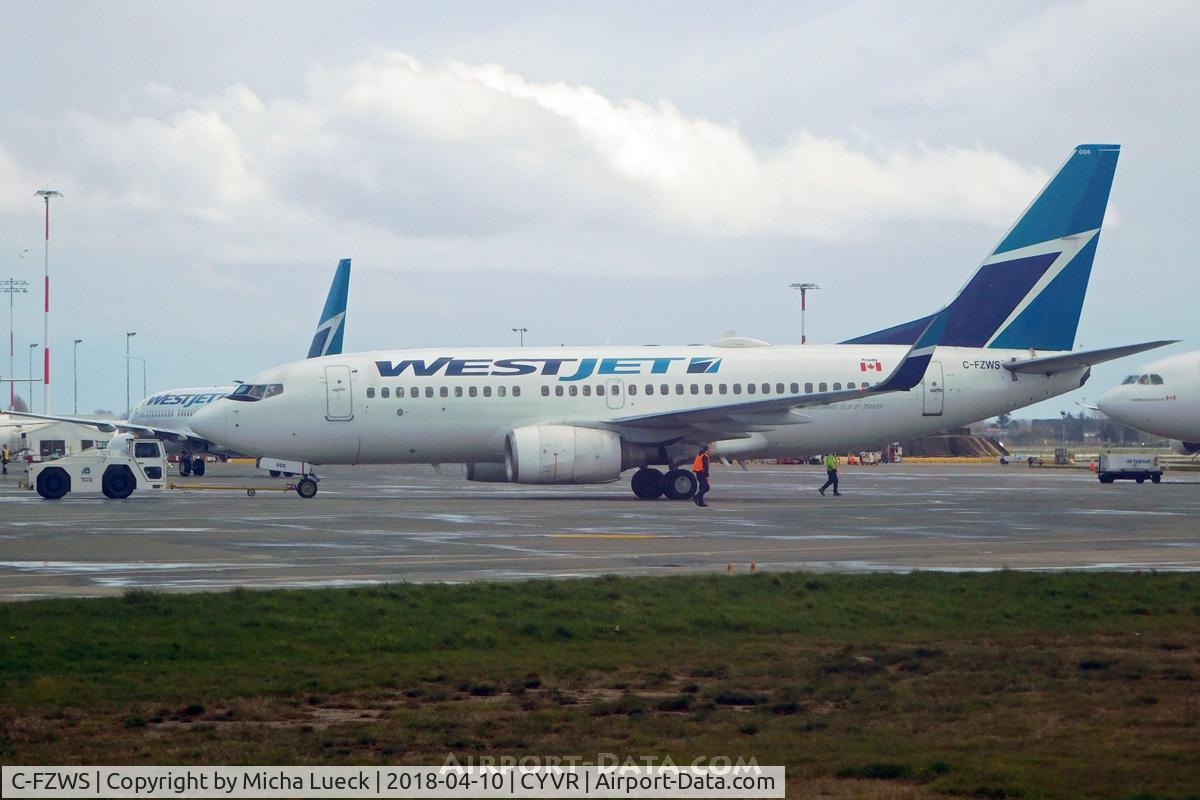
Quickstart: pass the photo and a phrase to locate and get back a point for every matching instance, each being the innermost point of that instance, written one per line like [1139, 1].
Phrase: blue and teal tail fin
[327, 341]
[1029, 292]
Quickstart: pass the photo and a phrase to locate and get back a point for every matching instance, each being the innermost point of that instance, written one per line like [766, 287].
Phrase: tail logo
[326, 335]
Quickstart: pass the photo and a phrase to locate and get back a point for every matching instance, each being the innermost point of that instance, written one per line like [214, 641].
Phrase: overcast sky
[605, 172]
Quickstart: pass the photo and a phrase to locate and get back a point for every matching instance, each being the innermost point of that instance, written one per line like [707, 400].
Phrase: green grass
[995, 684]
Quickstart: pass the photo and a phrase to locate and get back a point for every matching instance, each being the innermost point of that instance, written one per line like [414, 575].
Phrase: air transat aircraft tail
[585, 415]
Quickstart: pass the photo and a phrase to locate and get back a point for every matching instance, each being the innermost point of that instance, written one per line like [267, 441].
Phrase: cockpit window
[258, 391]
[1129, 380]
[1145, 379]
[1156, 379]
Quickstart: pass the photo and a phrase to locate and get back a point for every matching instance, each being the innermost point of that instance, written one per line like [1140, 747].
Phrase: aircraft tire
[647, 483]
[306, 488]
[53, 483]
[185, 467]
[118, 482]
[198, 466]
[679, 484]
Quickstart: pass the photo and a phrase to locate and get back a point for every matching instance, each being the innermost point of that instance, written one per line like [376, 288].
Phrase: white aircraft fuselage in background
[1162, 398]
[175, 408]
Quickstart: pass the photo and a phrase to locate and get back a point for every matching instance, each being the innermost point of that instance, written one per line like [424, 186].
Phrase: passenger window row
[600, 390]
[443, 391]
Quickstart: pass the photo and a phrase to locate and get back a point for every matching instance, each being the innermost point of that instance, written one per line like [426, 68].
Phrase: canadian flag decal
[870, 365]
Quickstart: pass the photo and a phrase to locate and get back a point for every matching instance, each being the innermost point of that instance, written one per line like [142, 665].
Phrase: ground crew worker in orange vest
[700, 468]
[831, 465]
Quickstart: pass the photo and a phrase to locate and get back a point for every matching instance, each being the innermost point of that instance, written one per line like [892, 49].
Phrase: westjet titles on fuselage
[567, 369]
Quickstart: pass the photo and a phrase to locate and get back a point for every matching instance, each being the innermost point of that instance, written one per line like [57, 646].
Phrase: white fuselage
[458, 405]
[1163, 398]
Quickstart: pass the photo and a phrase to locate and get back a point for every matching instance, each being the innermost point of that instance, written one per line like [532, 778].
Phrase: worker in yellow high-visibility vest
[831, 465]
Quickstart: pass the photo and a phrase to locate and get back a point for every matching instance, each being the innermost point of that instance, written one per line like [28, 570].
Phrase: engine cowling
[1185, 448]
[487, 473]
[562, 454]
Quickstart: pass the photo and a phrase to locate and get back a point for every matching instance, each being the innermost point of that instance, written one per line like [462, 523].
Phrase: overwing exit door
[615, 393]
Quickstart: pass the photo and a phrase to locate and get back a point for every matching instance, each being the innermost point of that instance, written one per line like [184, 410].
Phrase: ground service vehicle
[1122, 466]
[116, 471]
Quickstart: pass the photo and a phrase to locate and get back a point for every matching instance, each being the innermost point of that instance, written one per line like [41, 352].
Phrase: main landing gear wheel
[679, 484]
[185, 467]
[647, 483]
[306, 488]
[198, 467]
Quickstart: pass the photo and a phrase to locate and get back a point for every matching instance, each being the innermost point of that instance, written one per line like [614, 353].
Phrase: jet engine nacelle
[487, 473]
[562, 454]
[1185, 448]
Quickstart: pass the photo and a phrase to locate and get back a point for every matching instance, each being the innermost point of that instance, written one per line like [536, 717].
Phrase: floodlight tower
[128, 335]
[10, 287]
[46, 194]
[521, 332]
[804, 288]
[75, 373]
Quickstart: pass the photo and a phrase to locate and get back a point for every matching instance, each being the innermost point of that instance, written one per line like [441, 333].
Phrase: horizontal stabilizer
[1048, 365]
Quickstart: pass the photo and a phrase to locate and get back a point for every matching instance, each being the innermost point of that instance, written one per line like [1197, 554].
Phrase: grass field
[991, 685]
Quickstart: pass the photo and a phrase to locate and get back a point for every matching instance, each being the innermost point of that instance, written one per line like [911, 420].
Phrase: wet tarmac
[382, 524]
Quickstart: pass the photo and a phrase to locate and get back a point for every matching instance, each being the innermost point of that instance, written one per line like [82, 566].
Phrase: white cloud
[390, 150]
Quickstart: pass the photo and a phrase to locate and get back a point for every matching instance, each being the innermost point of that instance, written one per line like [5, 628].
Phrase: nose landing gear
[306, 487]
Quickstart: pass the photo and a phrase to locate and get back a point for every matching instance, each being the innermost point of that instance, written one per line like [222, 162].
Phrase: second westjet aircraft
[585, 415]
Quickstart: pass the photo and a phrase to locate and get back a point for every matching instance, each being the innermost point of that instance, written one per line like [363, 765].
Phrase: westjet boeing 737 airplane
[168, 415]
[585, 415]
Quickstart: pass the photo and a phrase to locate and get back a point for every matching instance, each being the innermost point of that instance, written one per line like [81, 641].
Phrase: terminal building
[30, 439]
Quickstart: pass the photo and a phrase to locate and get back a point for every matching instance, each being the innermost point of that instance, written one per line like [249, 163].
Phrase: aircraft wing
[1048, 365]
[738, 420]
[114, 425]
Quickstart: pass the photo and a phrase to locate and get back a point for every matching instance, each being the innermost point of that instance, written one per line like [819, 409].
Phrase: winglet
[911, 369]
[327, 341]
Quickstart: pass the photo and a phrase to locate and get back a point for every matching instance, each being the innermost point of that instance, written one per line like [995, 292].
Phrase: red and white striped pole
[46, 194]
[803, 313]
[803, 287]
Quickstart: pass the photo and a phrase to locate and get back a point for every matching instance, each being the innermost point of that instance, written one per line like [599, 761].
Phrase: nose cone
[211, 421]
[1109, 402]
